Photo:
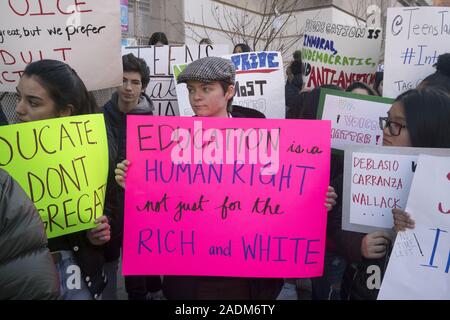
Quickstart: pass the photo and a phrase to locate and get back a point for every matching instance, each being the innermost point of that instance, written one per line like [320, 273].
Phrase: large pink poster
[226, 197]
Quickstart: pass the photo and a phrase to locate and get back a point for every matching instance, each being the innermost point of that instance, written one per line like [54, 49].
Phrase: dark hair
[133, 64]
[378, 79]
[225, 85]
[427, 114]
[308, 103]
[205, 41]
[297, 55]
[361, 85]
[441, 78]
[63, 85]
[296, 80]
[244, 47]
[158, 37]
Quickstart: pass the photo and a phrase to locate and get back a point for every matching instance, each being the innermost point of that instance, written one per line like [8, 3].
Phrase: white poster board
[419, 265]
[160, 60]
[259, 84]
[415, 37]
[355, 119]
[376, 180]
[339, 54]
[84, 34]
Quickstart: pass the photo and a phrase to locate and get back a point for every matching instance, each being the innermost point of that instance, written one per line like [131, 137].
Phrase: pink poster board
[229, 219]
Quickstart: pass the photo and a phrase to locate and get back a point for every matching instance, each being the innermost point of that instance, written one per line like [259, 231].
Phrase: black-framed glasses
[395, 128]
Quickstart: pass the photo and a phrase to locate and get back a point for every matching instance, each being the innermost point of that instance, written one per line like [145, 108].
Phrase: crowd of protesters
[51, 89]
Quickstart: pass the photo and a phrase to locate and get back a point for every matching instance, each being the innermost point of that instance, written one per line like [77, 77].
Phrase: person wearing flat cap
[210, 82]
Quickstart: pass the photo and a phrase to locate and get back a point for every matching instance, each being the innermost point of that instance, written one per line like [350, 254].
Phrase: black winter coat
[116, 124]
[27, 270]
[348, 245]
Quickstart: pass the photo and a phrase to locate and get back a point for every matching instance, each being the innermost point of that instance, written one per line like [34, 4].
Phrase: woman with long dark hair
[51, 89]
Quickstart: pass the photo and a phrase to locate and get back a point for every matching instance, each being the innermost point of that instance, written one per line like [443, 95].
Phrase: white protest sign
[339, 54]
[355, 119]
[415, 37]
[419, 265]
[84, 34]
[160, 60]
[259, 84]
[377, 180]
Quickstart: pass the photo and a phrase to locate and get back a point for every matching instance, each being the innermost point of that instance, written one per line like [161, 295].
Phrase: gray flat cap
[209, 69]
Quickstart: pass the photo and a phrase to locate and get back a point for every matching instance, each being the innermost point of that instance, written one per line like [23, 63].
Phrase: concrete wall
[168, 17]
[148, 16]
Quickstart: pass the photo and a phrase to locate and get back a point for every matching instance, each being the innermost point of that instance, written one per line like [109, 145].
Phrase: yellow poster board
[62, 164]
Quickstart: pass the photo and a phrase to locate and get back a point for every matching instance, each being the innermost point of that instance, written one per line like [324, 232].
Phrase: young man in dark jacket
[130, 98]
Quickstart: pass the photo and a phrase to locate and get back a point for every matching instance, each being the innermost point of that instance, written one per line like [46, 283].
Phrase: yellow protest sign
[62, 164]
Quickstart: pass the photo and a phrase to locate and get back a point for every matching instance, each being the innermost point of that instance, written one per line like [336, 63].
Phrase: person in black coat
[417, 118]
[130, 98]
[293, 87]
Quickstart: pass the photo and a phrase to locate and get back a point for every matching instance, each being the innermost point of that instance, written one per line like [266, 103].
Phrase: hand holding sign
[402, 220]
[121, 172]
[331, 198]
[374, 245]
[100, 234]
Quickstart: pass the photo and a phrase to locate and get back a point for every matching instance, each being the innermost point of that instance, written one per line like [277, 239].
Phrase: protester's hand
[330, 202]
[121, 172]
[374, 245]
[305, 90]
[402, 220]
[101, 234]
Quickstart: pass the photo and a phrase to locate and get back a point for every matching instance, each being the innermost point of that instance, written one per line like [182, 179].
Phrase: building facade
[263, 24]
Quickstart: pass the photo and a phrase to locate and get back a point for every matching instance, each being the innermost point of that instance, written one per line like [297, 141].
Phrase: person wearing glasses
[417, 118]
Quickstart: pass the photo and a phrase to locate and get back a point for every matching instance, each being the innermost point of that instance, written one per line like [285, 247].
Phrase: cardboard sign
[338, 54]
[226, 197]
[415, 37]
[259, 84]
[160, 60]
[62, 164]
[419, 265]
[86, 35]
[377, 180]
[355, 119]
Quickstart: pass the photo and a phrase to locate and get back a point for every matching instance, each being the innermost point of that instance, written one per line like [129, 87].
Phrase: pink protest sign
[226, 197]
